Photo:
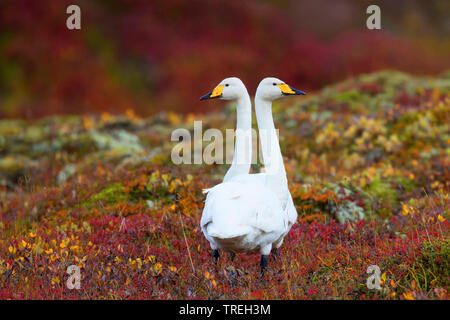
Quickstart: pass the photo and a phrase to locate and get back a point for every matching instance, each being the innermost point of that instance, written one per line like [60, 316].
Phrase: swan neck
[243, 145]
[269, 141]
[243, 113]
[263, 109]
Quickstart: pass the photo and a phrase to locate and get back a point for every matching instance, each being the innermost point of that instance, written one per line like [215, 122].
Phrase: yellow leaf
[173, 269]
[173, 118]
[408, 296]
[157, 268]
[405, 209]
[88, 123]
[55, 280]
[441, 218]
[131, 114]
[393, 284]
[106, 116]
[362, 182]
[371, 173]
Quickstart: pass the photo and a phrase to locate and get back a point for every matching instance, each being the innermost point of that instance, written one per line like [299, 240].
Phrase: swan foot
[263, 264]
[215, 255]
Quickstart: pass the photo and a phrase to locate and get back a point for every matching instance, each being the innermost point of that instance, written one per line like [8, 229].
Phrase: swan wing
[291, 210]
[234, 208]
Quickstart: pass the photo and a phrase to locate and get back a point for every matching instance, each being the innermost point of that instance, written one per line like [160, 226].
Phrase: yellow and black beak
[289, 91]
[216, 93]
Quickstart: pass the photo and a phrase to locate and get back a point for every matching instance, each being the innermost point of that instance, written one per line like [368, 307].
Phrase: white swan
[249, 212]
[270, 89]
[234, 89]
[229, 89]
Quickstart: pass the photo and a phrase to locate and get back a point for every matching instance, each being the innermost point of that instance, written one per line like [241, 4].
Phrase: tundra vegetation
[368, 166]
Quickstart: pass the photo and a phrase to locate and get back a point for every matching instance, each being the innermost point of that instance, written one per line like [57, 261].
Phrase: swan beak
[216, 93]
[288, 90]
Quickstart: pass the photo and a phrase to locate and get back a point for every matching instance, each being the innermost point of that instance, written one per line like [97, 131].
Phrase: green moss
[382, 191]
[406, 183]
[110, 195]
[347, 96]
[14, 168]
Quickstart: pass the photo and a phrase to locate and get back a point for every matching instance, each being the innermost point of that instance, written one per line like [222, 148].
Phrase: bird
[270, 89]
[234, 89]
[248, 212]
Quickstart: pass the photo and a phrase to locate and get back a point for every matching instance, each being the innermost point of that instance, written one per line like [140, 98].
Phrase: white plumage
[243, 216]
[250, 212]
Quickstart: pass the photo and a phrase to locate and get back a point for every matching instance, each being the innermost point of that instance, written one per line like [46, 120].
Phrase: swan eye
[274, 84]
[227, 85]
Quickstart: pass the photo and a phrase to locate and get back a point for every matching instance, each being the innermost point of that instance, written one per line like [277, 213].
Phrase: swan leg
[232, 256]
[215, 255]
[263, 263]
[265, 251]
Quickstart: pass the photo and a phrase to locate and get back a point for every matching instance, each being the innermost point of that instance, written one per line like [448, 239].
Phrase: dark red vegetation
[162, 55]
[370, 183]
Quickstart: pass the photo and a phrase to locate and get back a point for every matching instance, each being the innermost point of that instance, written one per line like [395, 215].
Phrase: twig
[187, 246]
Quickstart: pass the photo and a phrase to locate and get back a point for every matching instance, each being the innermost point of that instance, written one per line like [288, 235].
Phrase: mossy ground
[367, 162]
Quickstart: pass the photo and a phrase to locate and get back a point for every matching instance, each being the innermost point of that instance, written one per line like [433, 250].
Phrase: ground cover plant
[368, 164]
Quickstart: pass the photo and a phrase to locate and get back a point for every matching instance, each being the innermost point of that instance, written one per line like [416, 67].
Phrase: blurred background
[149, 56]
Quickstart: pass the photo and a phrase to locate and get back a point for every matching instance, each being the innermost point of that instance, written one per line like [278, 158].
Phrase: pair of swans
[250, 212]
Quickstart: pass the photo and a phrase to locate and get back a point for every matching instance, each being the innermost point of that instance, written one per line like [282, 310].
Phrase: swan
[229, 89]
[270, 89]
[249, 212]
[234, 89]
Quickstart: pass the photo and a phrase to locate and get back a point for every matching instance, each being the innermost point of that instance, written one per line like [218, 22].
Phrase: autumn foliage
[163, 55]
[368, 167]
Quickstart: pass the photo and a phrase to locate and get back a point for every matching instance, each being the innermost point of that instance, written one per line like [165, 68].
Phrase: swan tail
[224, 234]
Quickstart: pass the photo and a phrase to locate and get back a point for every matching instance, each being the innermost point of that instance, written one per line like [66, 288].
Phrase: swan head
[272, 89]
[228, 89]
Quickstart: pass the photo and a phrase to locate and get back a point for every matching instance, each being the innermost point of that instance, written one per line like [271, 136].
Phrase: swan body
[235, 218]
